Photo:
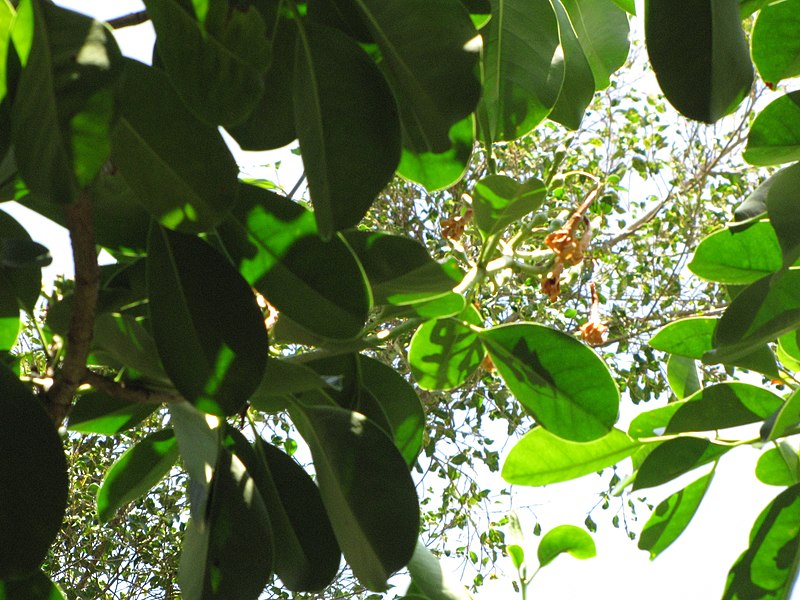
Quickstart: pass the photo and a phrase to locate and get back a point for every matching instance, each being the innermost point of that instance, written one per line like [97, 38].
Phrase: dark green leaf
[672, 516]
[784, 212]
[367, 490]
[178, 166]
[540, 458]
[499, 201]
[438, 170]
[120, 222]
[94, 412]
[445, 352]
[33, 587]
[428, 575]
[280, 379]
[339, 14]
[776, 47]
[127, 341]
[346, 121]
[675, 457]
[275, 245]
[215, 58]
[136, 471]
[566, 538]
[213, 346]
[64, 108]
[33, 468]
[787, 419]
[523, 68]
[768, 568]
[682, 376]
[699, 53]
[779, 466]
[400, 270]
[774, 136]
[565, 385]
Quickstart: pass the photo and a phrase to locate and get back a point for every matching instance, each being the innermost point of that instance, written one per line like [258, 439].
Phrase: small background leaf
[566, 538]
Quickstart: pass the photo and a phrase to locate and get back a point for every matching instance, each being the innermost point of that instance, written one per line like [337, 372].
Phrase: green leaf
[716, 407]
[347, 125]
[738, 256]
[7, 16]
[779, 466]
[499, 201]
[540, 458]
[789, 350]
[33, 587]
[787, 418]
[445, 352]
[768, 568]
[33, 497]
[400, 270]
[783, 206]
[231, 556]
[341, 15]
[136, 471]
[213, 346]
[439, 170]
[565, 385]
[774, 136]
[120, 222]
[126, 340]
[699, 53]
[307, 556]
[523, 68]
[602, 30]
[281, 378]
[448, 305]
[626, 5]
[566, 538]
[366, 488]
[776, 48]
[94, 412]
[63, 108]
[428, 575]
[215, 58]
[578, 87]
[178, 166]
[672, 516]
[274, 243]
[682, 376]
[748, 7]
[675, 457]
[429, 55]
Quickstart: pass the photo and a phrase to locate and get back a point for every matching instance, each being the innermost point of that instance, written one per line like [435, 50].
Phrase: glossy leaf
[213, 346]
[178, 166]
[682, 376]
[429, 576]
[699, 54]
[779, 466]
[768, 568]
[445, 352]
[64, 101]
[430, 52]
[738, 257]
[274, 243]
[578, 87]
[565, 385]
[787, 418]
[346, 121]
[448, 305]
[671, 517]
[438, 170]
[541, 458]
[366, 488]
[774, 136]
[566, 538]
[784, 213]
[523, 67]
[602, 30]
[776, 48]
[499, 201]
[306, 553]
[34, 471]
[231, 556]
[33, 587]
[94, 412]
[215, 57]
[400, 270]
[673, 458]
[136, 471]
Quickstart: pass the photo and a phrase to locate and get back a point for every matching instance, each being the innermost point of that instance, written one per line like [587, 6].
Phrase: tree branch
[84, 306]
[130, 20]
[119, 390]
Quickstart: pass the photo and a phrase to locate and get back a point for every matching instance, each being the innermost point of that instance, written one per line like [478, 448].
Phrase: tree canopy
[471, 259]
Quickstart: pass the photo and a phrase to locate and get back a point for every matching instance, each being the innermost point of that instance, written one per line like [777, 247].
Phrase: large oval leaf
[136, 471]
[776, 45]
[438, 170]
[565, 385]
[431, 579]
[774, 136]
[33, 470]
[178, 166]
[94, 412]
[366, 487]
[784, 212]
[275, 245]
[540, 458]
[346, 121]
[34, 587]
[699, 53]
[499, 201]
[673, 458]
[213, 345]
[779, 466]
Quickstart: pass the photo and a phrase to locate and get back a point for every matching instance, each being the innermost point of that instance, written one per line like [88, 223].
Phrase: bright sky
[694, 568]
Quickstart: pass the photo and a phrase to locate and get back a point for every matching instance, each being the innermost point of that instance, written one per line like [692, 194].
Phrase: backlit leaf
[499, 201]
[432, 579]
[565, 538]
[787, 418]
[94, 412]
[776, 47]
[784, 212]
[682, 376]
[774, 136]
[779, 466]
[673, 458]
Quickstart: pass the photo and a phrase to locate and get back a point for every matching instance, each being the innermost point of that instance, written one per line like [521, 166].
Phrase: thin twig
[136, 18]
[119, 390]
